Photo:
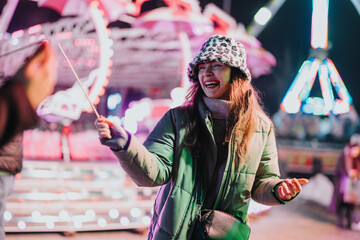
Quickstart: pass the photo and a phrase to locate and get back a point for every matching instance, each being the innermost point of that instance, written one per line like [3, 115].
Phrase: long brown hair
[245, 105]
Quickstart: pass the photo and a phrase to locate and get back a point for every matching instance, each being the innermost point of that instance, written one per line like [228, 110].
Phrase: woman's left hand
[290, 188]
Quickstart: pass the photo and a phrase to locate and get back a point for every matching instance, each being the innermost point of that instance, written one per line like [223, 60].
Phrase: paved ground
[295, 221]
[299, 221]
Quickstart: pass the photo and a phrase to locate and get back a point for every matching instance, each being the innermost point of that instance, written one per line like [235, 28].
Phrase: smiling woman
[220, 68]
[210, 155]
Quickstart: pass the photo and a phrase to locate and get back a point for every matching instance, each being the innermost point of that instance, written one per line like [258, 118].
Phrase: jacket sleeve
[16, 113]
[268, 173]
[150, 164]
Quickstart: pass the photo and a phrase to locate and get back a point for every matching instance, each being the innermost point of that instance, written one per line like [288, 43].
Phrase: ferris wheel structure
[298, 98]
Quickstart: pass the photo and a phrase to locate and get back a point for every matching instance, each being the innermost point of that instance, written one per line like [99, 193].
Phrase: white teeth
[211, 83]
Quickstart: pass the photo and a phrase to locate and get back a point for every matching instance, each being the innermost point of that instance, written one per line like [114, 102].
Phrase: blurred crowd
[332, 128]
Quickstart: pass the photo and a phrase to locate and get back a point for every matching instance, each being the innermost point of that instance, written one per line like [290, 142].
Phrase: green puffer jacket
[164, 161]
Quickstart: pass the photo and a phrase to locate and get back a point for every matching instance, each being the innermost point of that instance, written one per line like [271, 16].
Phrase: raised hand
[111, 134]
[290, 187]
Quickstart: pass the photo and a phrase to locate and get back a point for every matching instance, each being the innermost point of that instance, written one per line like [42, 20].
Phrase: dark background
[287, 37]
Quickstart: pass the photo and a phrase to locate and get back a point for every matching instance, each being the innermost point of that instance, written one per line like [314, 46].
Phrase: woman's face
[214, 79]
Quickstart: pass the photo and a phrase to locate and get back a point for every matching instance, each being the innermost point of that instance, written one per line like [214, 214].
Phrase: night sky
[287, 37]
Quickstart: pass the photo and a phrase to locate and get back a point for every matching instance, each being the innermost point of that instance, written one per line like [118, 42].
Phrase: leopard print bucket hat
[222, 49]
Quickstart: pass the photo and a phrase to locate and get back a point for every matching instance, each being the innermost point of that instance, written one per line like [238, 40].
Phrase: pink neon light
[32, 39]
[63, 35]
[17, 34]
[34, 29]
[84, 42]
[103, 69]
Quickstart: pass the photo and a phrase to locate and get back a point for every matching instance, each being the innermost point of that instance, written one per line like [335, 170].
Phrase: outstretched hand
[290, 187]
[111, 134]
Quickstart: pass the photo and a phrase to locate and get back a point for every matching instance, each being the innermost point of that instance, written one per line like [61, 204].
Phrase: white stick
[80, 83]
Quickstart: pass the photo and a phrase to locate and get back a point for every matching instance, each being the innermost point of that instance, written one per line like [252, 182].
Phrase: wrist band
[126, 146]
[275, 195]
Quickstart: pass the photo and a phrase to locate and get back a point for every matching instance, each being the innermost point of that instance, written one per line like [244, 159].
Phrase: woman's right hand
[111, 134]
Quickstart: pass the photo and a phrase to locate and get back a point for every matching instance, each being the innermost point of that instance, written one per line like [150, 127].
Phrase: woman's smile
[215, 79]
